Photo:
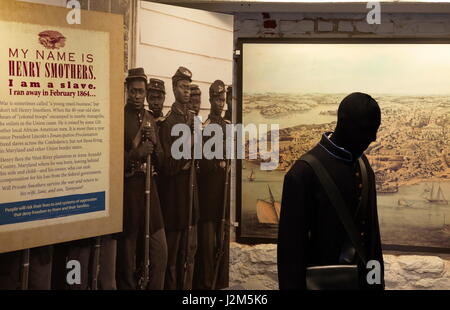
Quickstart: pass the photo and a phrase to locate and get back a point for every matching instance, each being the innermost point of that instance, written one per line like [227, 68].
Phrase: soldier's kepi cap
[195, 90]
[216, 88]
[156, 84]
[136, 73]
[182, 74]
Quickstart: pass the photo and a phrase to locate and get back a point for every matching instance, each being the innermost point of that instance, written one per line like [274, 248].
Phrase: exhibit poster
[299, 86]
[61, 88]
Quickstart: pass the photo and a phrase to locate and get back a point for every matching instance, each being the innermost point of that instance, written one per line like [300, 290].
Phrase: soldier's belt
[139, 168]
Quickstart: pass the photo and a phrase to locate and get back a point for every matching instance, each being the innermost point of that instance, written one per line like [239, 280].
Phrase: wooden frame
[240, 236]
[20, 236]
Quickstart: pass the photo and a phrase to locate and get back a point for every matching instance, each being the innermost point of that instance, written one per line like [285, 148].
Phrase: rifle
[189, 232]
[144, 276]
[25, 269]
[222, 225]
[96, 263]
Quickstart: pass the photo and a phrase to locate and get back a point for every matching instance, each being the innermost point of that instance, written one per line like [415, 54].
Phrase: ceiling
[316, 6]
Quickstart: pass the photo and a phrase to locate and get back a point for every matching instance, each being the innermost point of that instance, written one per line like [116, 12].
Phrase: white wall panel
[48, 2]
[171, 36]
[214, 20]
[163, 62]
[183, 35]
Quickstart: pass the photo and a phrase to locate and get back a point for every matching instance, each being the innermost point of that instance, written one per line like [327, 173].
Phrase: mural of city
[411, 159]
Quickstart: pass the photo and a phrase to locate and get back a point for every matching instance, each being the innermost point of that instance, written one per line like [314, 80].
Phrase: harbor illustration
[410, 160]
[268, 210]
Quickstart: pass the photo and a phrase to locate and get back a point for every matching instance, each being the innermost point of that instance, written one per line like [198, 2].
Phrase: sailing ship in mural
[434, 195]
[268, 210]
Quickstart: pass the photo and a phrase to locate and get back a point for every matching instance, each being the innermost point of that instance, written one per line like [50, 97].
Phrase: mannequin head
[359, 118]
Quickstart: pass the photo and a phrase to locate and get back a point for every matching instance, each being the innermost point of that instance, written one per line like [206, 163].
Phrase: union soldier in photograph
[141, 247]
[211, 262]
[156, 95]
[179, 190]
[196, 96]
[329, 227]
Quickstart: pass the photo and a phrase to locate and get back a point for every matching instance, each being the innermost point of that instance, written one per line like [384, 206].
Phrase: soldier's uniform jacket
[310, 232]
[160, 119]
[134, 184]
[212, 179]
[174, 180]
[228, 113]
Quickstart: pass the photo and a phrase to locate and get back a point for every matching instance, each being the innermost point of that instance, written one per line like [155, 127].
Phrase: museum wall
[170, 36]
[255, 266]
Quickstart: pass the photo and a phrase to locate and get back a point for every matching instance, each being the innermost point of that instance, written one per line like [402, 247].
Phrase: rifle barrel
[189, 232]
[220, 250]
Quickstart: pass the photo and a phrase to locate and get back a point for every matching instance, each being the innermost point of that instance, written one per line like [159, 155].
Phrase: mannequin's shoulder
[300, 170]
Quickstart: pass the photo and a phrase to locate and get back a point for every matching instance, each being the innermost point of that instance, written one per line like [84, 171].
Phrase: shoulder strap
[365, 187]
[337, 201]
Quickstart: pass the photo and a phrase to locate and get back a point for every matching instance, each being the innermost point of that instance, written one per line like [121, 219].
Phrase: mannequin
[310, 231]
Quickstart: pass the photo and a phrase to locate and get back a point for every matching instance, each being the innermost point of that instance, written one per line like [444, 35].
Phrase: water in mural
[411, 160]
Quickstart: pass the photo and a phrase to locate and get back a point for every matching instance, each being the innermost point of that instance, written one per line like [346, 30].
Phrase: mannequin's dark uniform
[175, 204]
[129, 243]
[211, 198]
[310, 232]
